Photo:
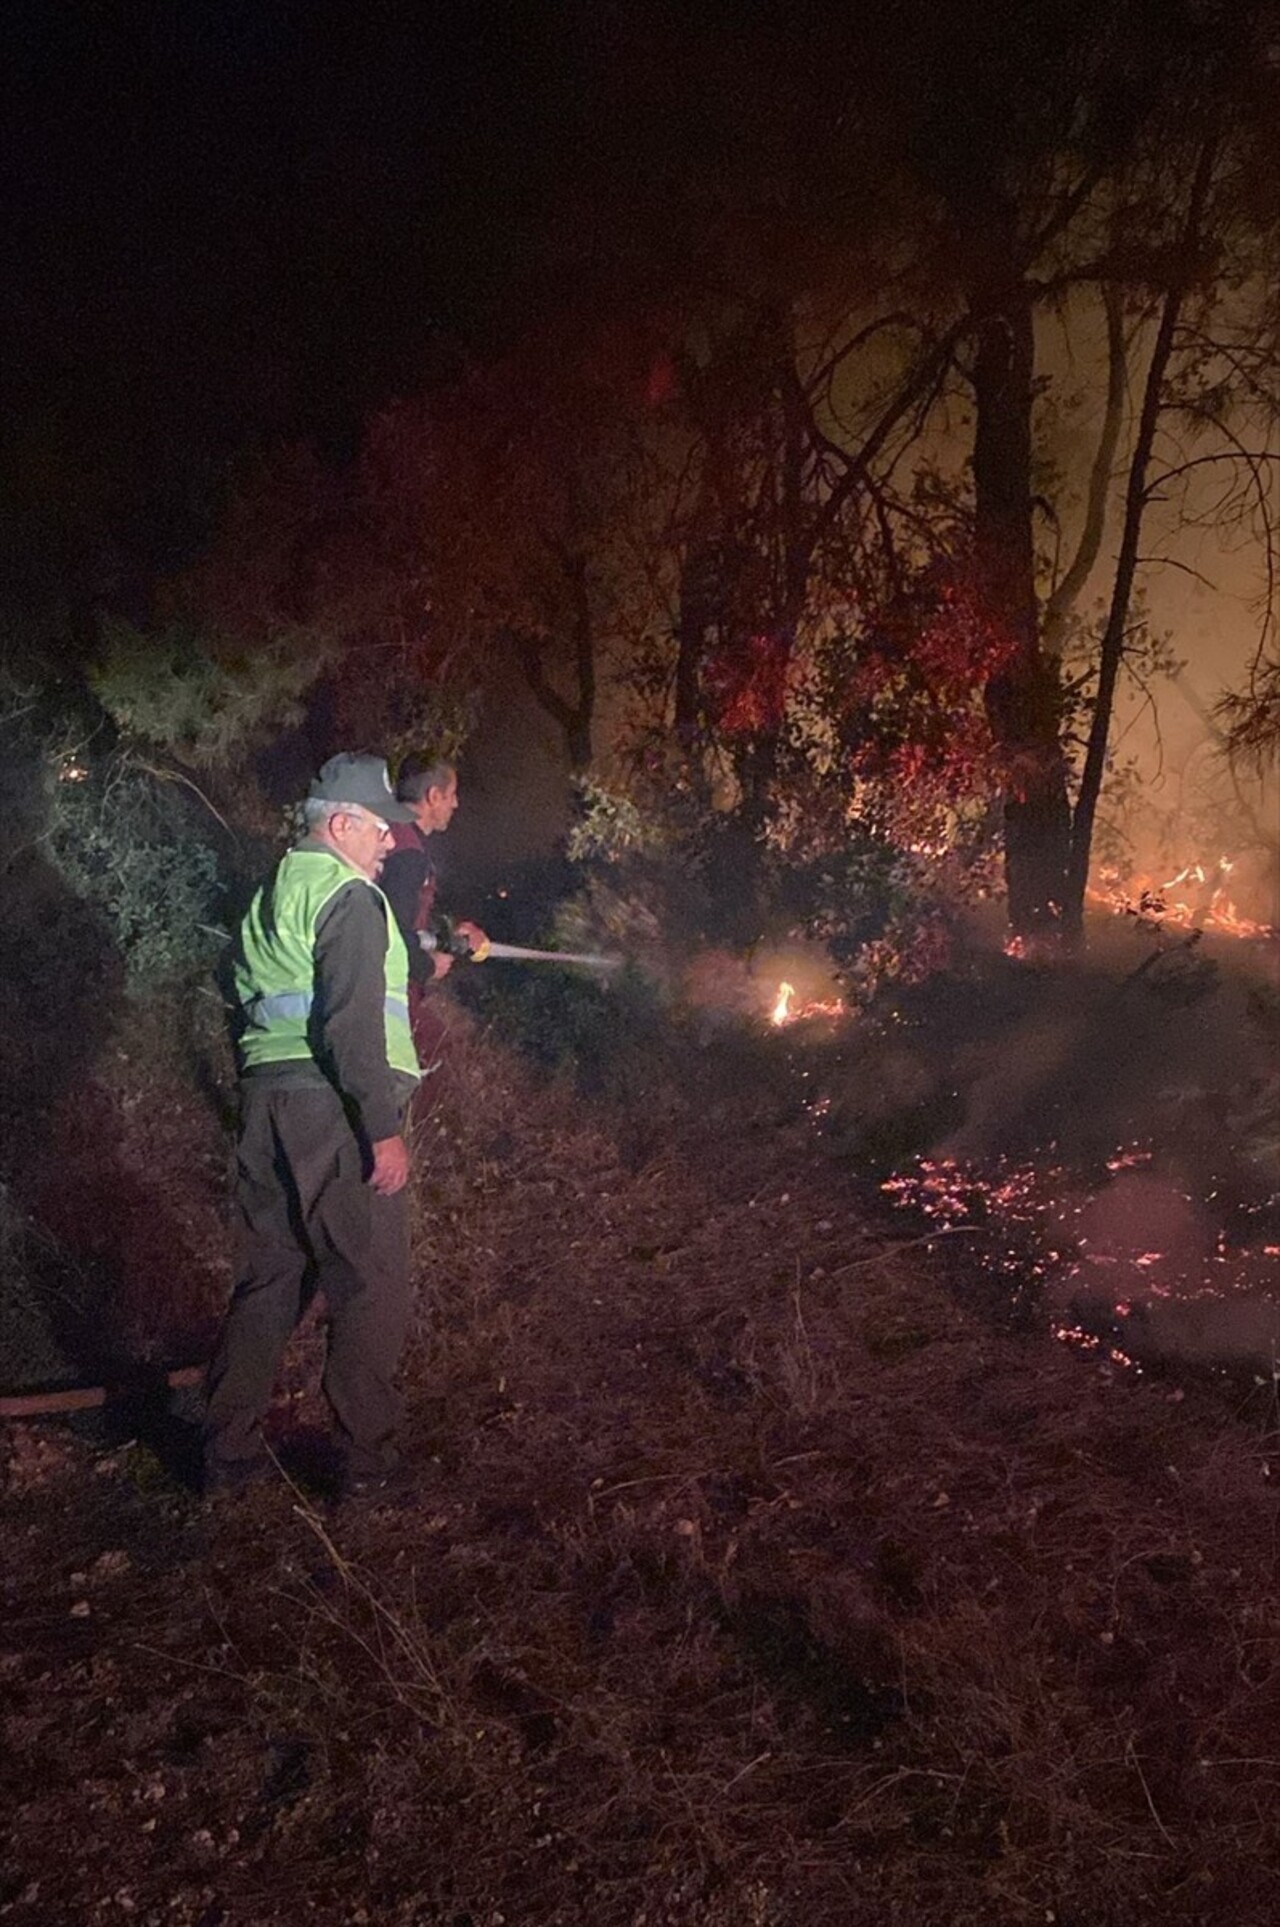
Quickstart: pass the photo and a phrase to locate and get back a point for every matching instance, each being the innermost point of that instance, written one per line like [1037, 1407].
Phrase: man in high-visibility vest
[327, 1070]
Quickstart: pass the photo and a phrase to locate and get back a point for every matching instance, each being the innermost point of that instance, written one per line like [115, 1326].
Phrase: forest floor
[756, 1575]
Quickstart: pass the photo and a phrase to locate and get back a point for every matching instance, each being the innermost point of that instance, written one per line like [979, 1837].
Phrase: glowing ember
[1040, 1224]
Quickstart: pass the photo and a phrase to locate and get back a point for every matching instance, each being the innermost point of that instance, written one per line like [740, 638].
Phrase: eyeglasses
[357, 810]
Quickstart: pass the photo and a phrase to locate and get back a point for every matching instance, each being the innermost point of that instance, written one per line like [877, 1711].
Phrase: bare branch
[924, 379]
[1255, 462]
[1065, 213]
[1172, 562]
[1126, 267]
[822, 375]
[1251, 455]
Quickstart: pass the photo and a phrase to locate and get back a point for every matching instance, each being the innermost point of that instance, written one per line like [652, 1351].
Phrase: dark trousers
[308, 1222]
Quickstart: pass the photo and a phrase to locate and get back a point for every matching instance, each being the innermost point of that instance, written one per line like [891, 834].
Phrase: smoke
[724, 988]
[1225, 1333]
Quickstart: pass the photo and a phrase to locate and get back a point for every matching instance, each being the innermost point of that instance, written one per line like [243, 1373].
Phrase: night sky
[253, 217]
[231, 222]
[248, 217]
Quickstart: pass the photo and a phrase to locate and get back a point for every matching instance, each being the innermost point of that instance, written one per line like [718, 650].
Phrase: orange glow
[1195, 899]
[787, 1011]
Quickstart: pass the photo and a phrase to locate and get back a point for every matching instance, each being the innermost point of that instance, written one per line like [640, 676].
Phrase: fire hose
[454, 944]
[86, 1398]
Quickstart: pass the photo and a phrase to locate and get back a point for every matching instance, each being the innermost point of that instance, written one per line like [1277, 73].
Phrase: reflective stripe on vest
[297, 1004]
[275, 975]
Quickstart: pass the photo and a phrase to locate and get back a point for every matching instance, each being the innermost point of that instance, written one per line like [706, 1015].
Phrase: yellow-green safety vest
[275, 971]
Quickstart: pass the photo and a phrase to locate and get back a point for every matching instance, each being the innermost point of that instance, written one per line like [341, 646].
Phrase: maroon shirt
[408, 882]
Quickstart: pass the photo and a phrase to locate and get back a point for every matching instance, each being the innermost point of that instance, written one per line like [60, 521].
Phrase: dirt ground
[753, 1578]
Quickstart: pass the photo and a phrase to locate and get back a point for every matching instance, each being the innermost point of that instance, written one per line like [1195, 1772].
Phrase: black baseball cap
[363, 780]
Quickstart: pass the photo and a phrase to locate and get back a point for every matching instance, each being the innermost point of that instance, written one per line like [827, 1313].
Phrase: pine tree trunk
[1024, 703]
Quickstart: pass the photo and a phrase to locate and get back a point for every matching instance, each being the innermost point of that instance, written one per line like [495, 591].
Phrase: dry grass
[751, 1579]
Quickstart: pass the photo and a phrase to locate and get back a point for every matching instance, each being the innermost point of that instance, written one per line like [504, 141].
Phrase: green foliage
[103, 853]
[611, 826]
[126, 845]
[845, 898]
[198, 698]
[616, 909]
[435, 717]
[663, 877]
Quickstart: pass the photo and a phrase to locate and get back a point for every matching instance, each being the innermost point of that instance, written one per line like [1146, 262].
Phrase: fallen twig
[908, 1244]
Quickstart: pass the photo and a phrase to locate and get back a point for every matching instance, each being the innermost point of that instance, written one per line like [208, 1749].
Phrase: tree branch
[1066, 211]
[926, 376]
[822, 375]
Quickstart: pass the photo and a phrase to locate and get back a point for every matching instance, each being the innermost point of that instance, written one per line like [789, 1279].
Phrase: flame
[1195, 899]
[786, 1010]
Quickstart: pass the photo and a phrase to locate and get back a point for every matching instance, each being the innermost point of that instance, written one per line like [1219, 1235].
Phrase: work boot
[225, 1478]
[393, 1486]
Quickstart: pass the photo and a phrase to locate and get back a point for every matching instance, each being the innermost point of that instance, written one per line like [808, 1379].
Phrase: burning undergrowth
[1106, 1142]
[1125, 1262]
[761, 1566]
[751, 1576]
[1106, 1136]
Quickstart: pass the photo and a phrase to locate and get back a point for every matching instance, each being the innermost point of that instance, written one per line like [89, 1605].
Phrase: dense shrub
[128, 847]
